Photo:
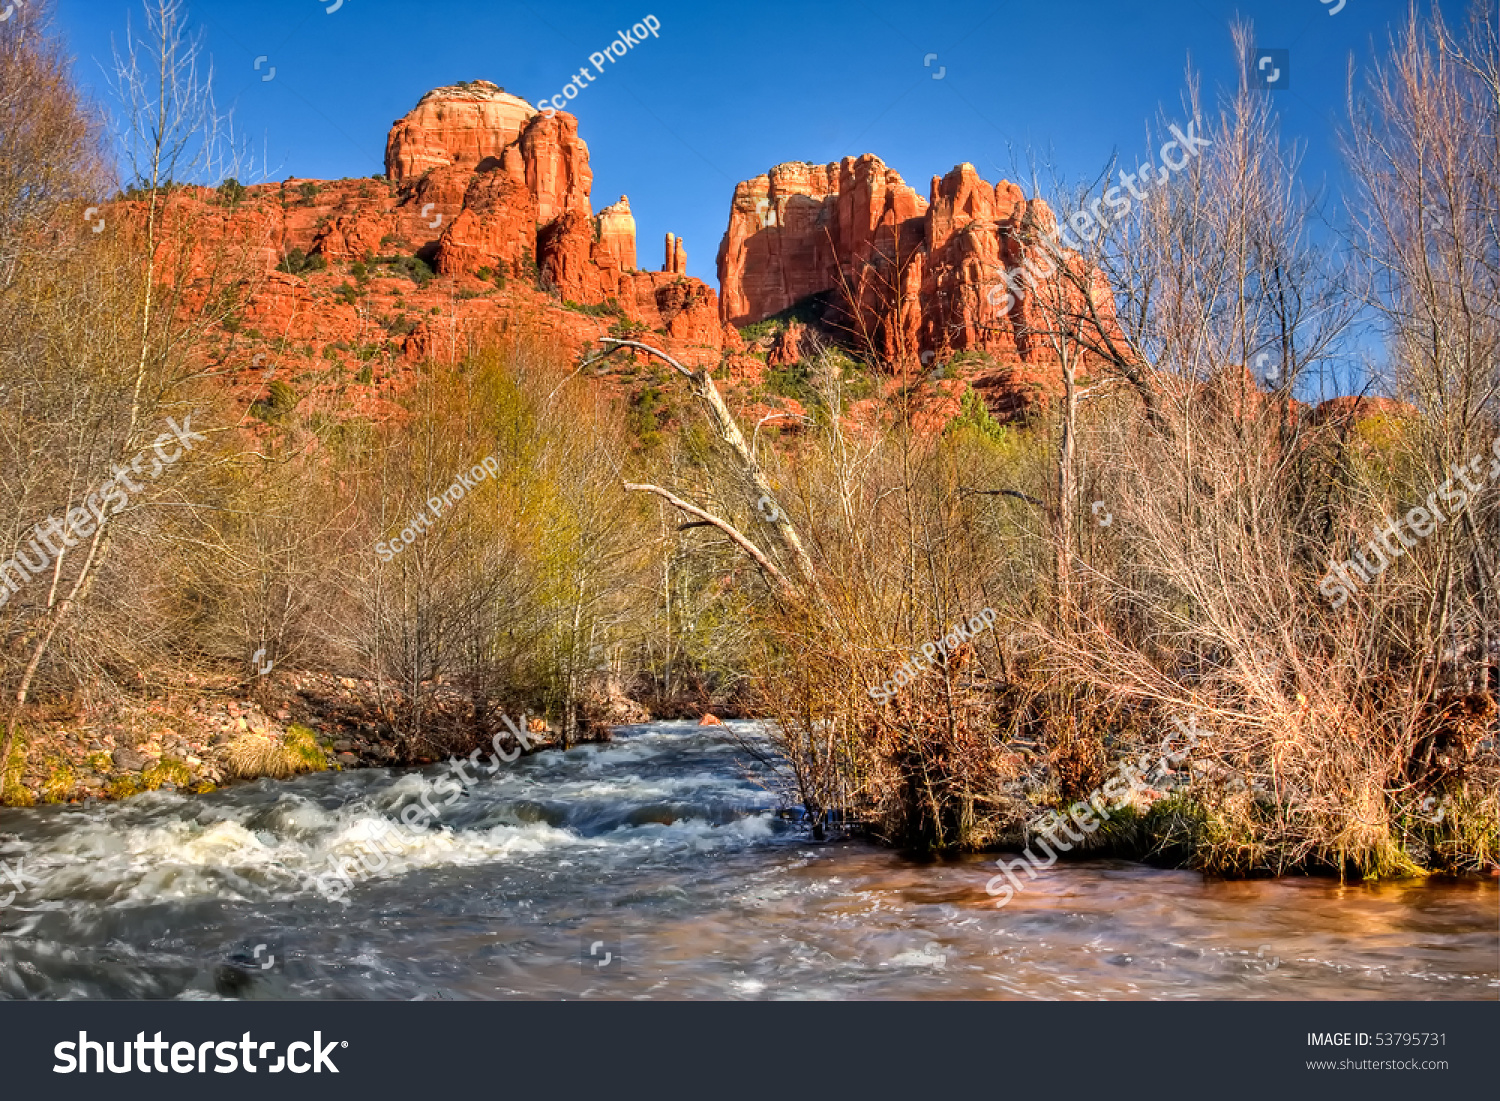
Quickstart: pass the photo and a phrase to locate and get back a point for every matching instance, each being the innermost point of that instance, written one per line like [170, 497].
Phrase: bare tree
[129, 364]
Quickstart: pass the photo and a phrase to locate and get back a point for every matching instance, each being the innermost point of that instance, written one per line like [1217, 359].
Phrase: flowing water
[664, 855]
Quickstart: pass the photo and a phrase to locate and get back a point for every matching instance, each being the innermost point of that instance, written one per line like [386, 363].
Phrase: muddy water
[663, 855]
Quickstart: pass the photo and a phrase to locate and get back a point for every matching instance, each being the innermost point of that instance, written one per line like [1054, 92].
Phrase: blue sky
[727, 91]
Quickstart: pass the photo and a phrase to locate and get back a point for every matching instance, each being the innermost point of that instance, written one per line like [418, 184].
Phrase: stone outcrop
[495, 197]
[791, 345]
[906, 278]
[616, 233]
[794, 230]
[675, 262]
[462, 124]
[557, 166]
[485, 183]
[527, 201]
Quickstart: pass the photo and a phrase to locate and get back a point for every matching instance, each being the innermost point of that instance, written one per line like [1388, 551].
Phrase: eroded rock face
[910, 278]
[557, 166]
[617, 234]
[791, 345]
[792, 231]
[462, 124]
[513, 186]
[495, 227]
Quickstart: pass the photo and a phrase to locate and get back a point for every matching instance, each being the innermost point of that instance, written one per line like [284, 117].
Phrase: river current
[660, 866]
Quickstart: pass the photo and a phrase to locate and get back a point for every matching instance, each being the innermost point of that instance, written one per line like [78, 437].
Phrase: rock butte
[482, 185]
[486, 190]
[914, 274]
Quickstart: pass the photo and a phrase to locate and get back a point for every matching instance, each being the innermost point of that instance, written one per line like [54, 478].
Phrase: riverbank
[201, 733]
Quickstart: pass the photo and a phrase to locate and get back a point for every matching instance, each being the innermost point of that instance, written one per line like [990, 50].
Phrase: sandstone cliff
[909, 279]
[484, 220]
[482, 191]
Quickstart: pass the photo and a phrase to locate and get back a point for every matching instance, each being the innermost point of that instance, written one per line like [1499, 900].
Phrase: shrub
[975, 358]
[298, 262]
[399, 326]
[308, 189]
[792, 381]
[58, 785]
[283, 397]
[231, 191]
[806, 311]
[281, 400]
[760, 330]
[527, 268]
[414, 267]
[628, 330]
[303, 748]
[650, 409]
[610, 308]
[124, 787]
[974, 416]
[167, 771]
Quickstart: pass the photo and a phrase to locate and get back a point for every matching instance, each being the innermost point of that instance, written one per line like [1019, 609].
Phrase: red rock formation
[491, 194]
[1347, 411]
[496, 226]
[463, 124]
[675, 262]
[495, 196]
[791, 345]
[792, 231]
[562, 248]
[557, 166]
[904, 277]
[617, 234]
[531, 197]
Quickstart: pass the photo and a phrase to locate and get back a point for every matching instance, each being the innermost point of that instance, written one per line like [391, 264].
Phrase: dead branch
[702, 385]
[755, 553]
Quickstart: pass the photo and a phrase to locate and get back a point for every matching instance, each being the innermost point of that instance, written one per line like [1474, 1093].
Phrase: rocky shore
[201, 734]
